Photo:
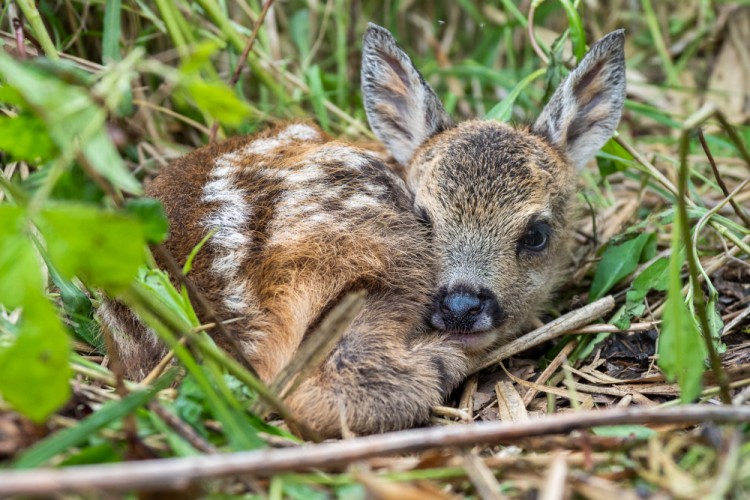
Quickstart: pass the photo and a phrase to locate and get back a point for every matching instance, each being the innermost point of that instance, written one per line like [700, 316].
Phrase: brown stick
[740, 213]
[243, 58]
[178, 472]
[563, 324]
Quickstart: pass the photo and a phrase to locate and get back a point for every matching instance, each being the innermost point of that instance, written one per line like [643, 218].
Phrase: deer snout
[461, 309]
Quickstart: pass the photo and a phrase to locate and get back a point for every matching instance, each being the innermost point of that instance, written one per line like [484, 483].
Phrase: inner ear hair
[401, 107]
[585, 110]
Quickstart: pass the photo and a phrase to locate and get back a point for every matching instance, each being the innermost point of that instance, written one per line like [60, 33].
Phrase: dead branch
[563, 324]
[179, 472]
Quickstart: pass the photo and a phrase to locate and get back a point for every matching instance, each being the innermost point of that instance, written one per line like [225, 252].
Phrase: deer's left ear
[585, 110]
[402, 108]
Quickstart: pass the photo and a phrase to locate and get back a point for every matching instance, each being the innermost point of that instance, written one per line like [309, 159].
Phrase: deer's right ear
[401, 107]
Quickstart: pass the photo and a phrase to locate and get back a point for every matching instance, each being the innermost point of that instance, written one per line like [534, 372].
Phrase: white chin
[475, 341]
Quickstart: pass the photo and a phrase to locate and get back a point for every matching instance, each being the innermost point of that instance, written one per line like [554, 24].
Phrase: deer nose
[460, 304]
[464, 310]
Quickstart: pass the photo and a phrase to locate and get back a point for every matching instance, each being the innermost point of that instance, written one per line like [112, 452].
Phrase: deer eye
[536, 238]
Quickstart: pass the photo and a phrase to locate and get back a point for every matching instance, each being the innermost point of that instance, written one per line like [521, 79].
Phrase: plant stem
[31, 14]
[699, 301]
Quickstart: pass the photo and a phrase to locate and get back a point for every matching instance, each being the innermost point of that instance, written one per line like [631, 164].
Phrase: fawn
[457, 253]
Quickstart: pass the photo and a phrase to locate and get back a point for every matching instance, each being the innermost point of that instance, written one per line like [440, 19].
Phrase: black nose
[462, 309]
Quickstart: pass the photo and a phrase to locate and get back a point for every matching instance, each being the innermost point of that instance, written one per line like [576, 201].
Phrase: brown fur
[301, 218]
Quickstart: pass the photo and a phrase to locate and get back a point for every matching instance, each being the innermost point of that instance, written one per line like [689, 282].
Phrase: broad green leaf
[681, 349]
[199, 57]
[34, 370]
[102, 248]
[618, 261]
[654, 277]
[20, 276]
[300, 491]
[25, 138]
[503, 111]
[613, 158]
[72, 118]
[152, 216]
[110, 412]
[218, 101]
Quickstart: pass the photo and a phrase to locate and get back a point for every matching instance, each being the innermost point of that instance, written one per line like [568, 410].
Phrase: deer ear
[585, 110]
[401, 107]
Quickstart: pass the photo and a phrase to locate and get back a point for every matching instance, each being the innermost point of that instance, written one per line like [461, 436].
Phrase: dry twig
[178, 472]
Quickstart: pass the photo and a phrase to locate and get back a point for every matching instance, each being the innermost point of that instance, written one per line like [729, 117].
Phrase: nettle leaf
[681, 349]
[72, 118]
[152, 216]
[34, 370]
[218, 100]
[104, 249]
[24, 137]
[618, 261]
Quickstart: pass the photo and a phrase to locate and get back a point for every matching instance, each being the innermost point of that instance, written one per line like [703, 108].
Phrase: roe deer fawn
[456, 256]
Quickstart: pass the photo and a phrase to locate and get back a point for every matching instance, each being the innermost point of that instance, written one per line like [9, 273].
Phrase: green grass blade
[577, 33]
[504, 109]
[111, 35]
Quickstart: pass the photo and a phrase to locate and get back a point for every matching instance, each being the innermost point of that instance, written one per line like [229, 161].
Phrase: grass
[140, 83]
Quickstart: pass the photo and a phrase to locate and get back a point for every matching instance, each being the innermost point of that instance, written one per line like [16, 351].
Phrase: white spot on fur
[360, 201]
[228, 220]
[299, 131]
[262, 146]
[349, 156]
[295, 132]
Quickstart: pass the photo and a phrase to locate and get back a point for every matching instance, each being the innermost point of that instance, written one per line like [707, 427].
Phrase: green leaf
[654, 277]
[152, 216]
[681, 349]
[20, 278]
[102, 248]
[613, 158]
[34, 370]
[72, 118]
[79, 309]
[618, 261]
[103, 453]
[218, 100]
[25, 138]
[110, 412]
[503, 111]
[200, 57]
[624, 431]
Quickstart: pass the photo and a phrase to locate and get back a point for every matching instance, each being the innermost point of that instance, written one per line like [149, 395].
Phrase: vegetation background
[127, 86]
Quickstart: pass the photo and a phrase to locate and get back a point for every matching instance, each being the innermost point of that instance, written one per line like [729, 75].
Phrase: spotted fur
[299, 218]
